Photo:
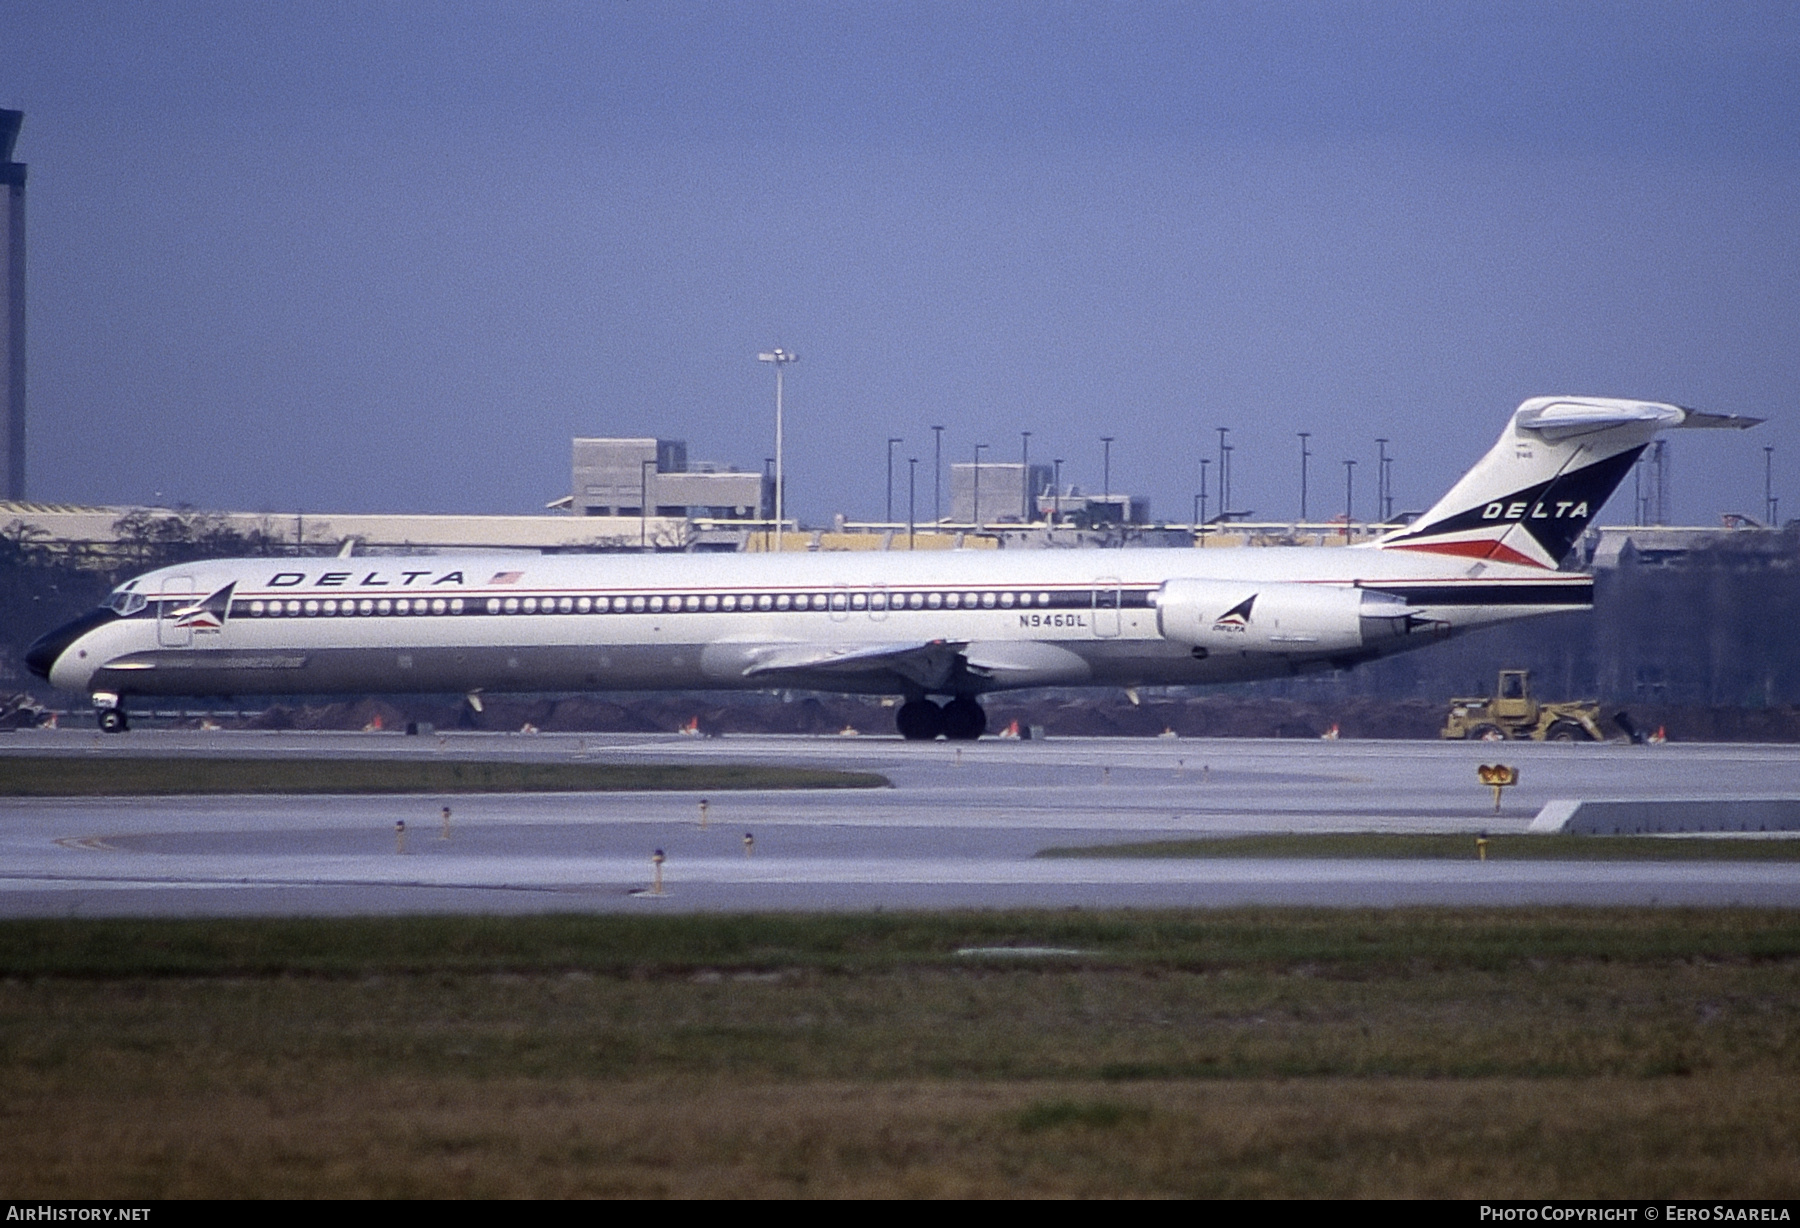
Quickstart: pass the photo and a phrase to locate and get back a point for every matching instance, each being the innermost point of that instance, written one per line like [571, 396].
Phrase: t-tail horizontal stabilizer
[1539, 487]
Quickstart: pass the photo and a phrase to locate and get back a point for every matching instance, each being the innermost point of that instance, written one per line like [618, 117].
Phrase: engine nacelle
[1293, 619]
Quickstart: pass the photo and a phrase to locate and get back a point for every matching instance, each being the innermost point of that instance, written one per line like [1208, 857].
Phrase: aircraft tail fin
[1536, 491]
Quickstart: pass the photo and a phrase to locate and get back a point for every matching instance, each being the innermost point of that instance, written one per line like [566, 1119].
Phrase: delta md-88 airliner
[928, 627]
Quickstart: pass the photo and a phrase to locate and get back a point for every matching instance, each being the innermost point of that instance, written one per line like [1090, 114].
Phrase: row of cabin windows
[685, 603]
[330, 607]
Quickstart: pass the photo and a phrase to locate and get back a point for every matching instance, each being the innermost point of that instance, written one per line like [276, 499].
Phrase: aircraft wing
[929, 663]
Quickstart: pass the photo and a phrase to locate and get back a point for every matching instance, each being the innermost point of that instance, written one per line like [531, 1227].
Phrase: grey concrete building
[621, 477]
[12, 309]
[1093, 511]
[995, 491]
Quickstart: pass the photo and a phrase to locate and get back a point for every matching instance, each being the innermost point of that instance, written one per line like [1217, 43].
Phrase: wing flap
[928, 664]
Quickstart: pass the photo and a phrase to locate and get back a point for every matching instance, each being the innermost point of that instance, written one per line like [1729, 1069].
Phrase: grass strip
[1407, 847]
[1355, 942]
[68, 776]
[1525, 1053]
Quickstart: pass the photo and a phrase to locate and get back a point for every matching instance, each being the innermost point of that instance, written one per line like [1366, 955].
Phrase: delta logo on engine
[1236, 620]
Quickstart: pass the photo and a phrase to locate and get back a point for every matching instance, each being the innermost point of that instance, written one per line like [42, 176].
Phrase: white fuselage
[940, 622]
[936, 623]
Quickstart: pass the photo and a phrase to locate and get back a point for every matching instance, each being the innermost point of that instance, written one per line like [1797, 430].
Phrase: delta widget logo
[1236, 620]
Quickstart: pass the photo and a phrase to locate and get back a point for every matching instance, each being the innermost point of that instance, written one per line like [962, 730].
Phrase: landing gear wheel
[112, 720]
[919, 720]
[964, 719]
[1566, 731]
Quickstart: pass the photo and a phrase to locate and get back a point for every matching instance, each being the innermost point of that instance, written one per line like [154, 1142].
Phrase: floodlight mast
[780, 358]
[892, 440]
[1025, 478]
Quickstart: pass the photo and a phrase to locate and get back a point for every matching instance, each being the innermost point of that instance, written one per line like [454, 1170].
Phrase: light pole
[912, 477]
[937, 474]
[644, 504]
[1349, 495]
[1769, 486]
[1204, 462]
[890, 493]
[1056, 493]
[1106, 442]
[1225, 495]
[1026, 512]
[768, 471]
[780, 358]
[1381, 462]
[1224, 482]
[1304, 436]
[979, 448]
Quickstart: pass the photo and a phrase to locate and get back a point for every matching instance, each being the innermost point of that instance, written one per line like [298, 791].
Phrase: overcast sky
[390, 257]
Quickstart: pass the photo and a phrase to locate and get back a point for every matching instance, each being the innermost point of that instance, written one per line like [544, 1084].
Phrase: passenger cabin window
[837, 601]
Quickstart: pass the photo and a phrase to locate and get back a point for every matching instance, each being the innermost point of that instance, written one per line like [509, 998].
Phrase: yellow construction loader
[1511, 714]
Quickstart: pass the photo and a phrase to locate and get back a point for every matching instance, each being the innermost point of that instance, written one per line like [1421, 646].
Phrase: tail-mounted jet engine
[1292, 619]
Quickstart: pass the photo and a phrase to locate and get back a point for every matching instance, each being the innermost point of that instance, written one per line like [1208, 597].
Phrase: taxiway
[960, 827]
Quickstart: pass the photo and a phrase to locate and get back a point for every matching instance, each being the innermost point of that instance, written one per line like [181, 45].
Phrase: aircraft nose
[42, 656]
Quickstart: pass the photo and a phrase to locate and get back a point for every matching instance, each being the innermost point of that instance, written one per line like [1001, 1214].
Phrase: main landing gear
[960, 720]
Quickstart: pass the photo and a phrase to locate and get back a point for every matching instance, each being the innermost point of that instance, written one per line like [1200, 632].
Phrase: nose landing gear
[109, 712]
[960, 720]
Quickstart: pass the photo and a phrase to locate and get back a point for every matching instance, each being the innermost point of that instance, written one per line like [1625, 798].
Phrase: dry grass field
[1528, 1053]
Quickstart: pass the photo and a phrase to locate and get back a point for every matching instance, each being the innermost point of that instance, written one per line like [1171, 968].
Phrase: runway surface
[960, 828]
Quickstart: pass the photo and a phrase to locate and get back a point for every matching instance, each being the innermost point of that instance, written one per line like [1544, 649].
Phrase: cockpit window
[125, 603]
